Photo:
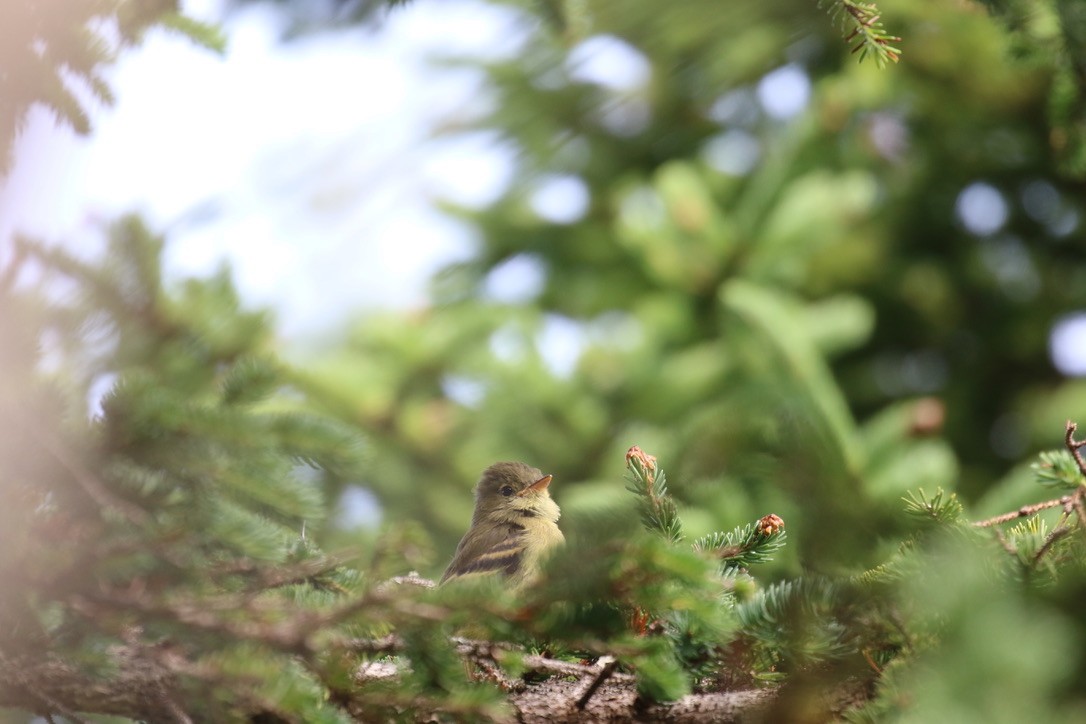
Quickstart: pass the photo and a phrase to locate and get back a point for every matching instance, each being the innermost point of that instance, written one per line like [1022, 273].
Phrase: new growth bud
[770, 524]
[646, 462]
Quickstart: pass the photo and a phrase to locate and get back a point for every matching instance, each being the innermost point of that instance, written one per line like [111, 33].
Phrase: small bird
[514, 523]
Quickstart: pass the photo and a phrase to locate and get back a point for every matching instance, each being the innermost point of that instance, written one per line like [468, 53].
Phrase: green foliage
[795, 312]
[868, 34]
[728, 314]
[939, 508]
[180, 498]
[982, 648]
[1053, 32]
[744, 546]
[958, 595]
[797, 624]
[1057, 469]
[197, 517]
[649, 483]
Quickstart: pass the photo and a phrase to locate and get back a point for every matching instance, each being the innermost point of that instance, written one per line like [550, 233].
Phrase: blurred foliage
[867, 35]
[805, 313]
[55, 53]
[155, 468]
[816, 311]
[793, 309]
[164, 486]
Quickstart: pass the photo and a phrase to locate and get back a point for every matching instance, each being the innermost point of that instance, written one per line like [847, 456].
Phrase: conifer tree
[810, 342]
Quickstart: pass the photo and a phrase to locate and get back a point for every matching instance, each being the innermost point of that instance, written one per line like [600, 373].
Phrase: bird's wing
[497, 550]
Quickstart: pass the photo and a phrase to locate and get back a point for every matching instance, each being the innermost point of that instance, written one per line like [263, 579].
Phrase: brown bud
[646, 461]
[927, 416]
[770, 524]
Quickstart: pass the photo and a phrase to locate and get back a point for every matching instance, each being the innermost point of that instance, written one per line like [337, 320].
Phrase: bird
[515, 522]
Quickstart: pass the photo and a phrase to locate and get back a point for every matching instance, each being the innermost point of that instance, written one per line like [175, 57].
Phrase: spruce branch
[1030, 544]
[871, 38]
[939, 508]
[60, 62]
[647, 481]
[798, 620]
[745, 545]
[739, 549]
[1059, 469]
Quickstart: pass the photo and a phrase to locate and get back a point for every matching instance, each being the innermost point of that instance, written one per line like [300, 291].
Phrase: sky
[309, 165]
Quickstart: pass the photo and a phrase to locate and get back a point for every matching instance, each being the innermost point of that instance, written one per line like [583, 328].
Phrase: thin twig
[1073, 502]
[543, 665]
[1074, 446]
[492, 671]
[1025, 511]
[1080, 509]
[871, 662]
[603, 675]
[1076, 499]
[1052, 537]
[481, 652]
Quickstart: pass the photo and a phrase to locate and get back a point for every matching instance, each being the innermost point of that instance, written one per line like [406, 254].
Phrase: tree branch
[140, 687]
[1025, 511]
[1074, 446]
[604, 674]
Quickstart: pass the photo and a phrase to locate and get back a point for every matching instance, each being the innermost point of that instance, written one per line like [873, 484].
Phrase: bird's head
[511, 491]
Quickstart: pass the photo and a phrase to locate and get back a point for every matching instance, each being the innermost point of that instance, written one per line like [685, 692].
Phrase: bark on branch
[144, 684]
[140, 686]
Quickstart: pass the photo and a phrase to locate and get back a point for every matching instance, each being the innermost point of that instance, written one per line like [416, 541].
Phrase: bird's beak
[538, 485]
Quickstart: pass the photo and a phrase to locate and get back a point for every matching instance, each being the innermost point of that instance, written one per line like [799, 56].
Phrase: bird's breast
[540, 533]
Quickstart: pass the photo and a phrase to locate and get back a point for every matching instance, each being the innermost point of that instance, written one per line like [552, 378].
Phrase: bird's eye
[506, 491]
